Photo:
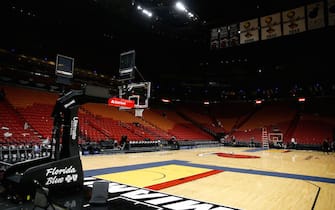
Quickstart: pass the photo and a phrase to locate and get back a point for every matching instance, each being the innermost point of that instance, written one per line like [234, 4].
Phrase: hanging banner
[224, 37]
[214, 39]
[331, 12]
[294, 21]
[315, 16]
[234, 36]
[271, 26]
[249, 31]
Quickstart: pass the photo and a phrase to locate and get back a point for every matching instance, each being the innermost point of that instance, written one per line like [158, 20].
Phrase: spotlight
[180, 6]
[149, 14]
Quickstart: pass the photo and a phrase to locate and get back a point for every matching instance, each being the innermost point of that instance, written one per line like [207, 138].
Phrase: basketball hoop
[139, 93]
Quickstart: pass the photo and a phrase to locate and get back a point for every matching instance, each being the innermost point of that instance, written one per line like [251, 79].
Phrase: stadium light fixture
[165, 100]
[258, 101]
[180, 6]
[301, 99]
[146, 12]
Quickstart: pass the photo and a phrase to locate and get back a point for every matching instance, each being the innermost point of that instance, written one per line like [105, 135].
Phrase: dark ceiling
[168, 45]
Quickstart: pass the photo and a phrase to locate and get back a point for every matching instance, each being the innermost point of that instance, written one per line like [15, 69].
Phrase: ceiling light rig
[181, 7]
[146, 12]
[149, 11]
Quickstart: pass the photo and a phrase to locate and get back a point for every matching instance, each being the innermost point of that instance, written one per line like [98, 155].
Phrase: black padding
[99, 193]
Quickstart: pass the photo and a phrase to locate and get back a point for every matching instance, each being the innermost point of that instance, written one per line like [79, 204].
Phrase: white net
[139, 112]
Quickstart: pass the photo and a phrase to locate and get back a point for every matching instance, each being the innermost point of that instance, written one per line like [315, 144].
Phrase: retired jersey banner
[234, 36]
[224, 37]
[249, 31]
[331, 12]
[294, 21]
[271, 26]
[214, 39]
[315, 15]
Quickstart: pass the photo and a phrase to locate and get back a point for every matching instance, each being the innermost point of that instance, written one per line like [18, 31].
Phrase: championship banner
[234, 36]
[331, 12]
[224, 37]
[315, 16]
[271, 26]
[214, 42]
[294, 21]
[249, 31]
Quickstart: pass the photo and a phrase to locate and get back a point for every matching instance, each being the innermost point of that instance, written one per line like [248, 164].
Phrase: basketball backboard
[138, 92]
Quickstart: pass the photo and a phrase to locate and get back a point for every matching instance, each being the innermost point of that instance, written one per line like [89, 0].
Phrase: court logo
[153, 199]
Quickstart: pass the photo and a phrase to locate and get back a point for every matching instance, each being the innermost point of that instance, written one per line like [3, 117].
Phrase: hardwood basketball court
[235, 177]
